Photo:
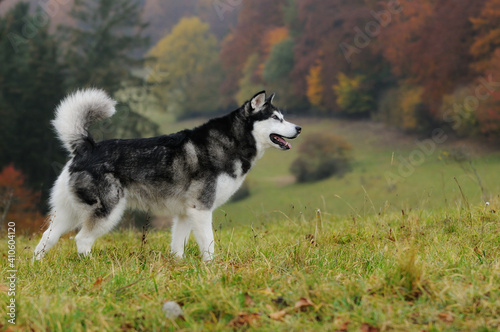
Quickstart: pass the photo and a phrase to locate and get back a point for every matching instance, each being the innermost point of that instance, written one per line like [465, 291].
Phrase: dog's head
[269, 127]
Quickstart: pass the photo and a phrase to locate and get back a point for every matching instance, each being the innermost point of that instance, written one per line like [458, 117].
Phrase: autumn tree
[187, 60]
[429, 45]
[17, 202]
[327, 27]
[315, 85]
[487, 36]
[486, 52]
[254, 20]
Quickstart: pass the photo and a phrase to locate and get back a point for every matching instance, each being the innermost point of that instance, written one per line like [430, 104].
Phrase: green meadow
[417, 252]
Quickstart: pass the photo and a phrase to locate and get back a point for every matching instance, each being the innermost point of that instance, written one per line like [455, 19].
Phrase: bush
[403, 108]
[459, 110]
[321, 156]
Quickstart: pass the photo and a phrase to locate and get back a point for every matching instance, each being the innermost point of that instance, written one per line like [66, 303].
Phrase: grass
[436, 271]
[420, 254]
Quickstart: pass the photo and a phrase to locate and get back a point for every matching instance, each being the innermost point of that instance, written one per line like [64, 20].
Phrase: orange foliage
[405, 29]
[487, 39]
[273, 37]
[18, 203]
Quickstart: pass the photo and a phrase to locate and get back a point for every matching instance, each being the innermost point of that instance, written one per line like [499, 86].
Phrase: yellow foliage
[189, 49]
[409, 103]
[184, 68]
[352, 96]
[315, 86]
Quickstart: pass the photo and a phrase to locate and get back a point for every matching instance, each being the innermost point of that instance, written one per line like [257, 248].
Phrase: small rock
[172, 310]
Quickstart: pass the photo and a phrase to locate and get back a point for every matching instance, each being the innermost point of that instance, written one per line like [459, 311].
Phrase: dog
[186, 175]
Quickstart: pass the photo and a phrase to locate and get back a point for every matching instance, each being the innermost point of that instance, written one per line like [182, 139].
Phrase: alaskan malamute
[185, 175]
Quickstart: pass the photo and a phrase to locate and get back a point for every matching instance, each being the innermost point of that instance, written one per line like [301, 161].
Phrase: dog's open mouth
[280, 141]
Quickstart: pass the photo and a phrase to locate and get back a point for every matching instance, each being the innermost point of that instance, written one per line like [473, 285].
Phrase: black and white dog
[185, 175]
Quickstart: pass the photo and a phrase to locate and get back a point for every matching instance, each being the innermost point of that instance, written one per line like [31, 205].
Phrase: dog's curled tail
[77, 111]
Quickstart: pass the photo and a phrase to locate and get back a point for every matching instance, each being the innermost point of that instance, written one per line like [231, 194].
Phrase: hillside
[379, 153]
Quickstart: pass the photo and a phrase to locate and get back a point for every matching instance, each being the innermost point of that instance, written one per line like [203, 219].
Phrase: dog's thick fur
[186, 175]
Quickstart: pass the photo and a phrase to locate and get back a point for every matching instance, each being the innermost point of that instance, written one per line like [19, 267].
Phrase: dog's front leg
[181, 229]
[201, 221]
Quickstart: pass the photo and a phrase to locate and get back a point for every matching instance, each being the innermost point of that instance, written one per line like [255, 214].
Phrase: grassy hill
[421, 253]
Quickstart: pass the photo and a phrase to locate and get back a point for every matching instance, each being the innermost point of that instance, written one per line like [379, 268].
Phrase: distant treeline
[413, 64]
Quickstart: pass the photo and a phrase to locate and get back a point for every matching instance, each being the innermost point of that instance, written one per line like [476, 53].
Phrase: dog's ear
[258, 101]
[269, 99]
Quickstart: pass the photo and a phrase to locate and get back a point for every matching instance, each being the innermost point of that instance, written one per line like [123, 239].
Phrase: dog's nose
[299, 129]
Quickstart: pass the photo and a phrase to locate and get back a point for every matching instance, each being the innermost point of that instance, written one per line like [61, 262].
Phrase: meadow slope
[421, 270]
[345, 254]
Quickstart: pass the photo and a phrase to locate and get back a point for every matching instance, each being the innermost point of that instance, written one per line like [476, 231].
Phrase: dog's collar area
[280, 141]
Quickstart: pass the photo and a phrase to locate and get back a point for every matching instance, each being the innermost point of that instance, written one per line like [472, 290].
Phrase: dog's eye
[275, 117]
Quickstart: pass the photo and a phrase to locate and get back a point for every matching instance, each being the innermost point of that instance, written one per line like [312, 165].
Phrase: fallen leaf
[446, 317]
[97, 282]
[243, 319]
[303, 303]
[368, 328]
[279, 315]
[248, 300]
[344, 326]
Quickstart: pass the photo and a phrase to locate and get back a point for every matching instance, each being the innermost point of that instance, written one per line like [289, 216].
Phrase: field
[417, 253]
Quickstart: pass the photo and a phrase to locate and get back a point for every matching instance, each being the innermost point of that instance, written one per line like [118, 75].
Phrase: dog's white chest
[227, 185]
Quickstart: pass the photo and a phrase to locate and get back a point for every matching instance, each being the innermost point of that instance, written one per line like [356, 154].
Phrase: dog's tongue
[285, 143]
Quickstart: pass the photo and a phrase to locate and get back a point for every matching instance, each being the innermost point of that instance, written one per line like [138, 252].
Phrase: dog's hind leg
[95, 227]
[62, 219]
[181, 229]
[201, 222]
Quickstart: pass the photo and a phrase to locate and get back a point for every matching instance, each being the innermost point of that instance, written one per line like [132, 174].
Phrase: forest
[413, 65]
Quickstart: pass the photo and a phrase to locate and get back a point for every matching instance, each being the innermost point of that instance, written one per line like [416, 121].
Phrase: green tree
[101, 44]
[99, 51]
[277, 70]
[31, 85]
[186, 69]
